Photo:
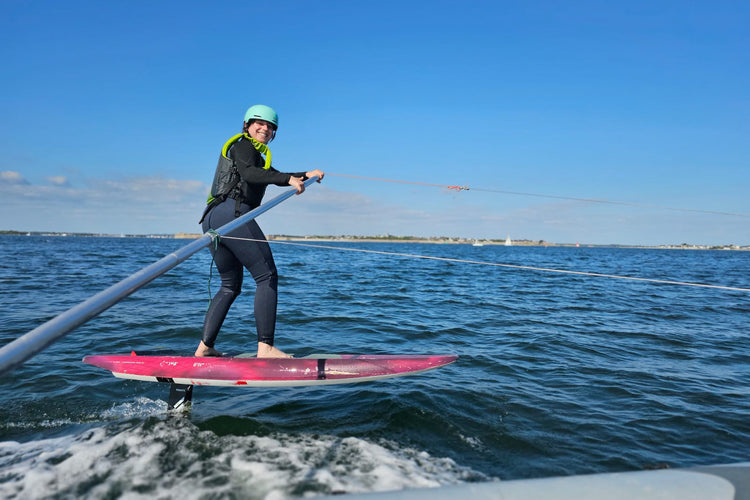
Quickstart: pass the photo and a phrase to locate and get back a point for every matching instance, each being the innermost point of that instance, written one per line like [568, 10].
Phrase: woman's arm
[250, 165]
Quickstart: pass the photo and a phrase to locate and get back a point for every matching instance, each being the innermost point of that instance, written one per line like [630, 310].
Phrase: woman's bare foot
[203, 350]
[269, 351]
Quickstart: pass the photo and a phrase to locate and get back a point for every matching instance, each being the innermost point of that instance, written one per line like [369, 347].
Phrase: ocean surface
[558, 374]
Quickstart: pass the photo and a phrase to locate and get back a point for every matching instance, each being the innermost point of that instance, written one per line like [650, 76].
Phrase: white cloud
[11, 177]
[136, 205]
[58, 180]
[324, 211]
[154, 204]
[148, 189]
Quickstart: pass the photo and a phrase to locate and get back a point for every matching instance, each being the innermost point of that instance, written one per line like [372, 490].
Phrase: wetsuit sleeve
[250, 166]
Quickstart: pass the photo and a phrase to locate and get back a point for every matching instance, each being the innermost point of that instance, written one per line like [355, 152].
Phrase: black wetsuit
[230, 256]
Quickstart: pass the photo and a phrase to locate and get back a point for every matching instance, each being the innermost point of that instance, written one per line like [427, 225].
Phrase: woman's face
[261, 131]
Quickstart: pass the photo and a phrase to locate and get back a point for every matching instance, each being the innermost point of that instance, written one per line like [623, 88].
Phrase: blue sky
[114, 114]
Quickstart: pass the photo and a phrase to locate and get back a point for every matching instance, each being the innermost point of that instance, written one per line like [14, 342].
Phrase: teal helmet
[261, 112]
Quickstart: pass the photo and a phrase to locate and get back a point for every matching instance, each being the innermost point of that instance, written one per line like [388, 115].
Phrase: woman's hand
[313, 173]
[297, 183]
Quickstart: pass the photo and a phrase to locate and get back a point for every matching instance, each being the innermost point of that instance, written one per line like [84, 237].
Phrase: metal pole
[18, 351]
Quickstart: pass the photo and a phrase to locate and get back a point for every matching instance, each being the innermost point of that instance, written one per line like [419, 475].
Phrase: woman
[243, 172]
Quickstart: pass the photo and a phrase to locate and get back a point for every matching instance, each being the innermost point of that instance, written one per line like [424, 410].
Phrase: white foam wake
[175, 459]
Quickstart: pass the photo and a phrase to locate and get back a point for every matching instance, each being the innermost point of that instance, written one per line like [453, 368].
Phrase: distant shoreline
[390, 239]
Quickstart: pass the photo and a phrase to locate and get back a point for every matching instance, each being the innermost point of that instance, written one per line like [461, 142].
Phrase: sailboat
[508, 243]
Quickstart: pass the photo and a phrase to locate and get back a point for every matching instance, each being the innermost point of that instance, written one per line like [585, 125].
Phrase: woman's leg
[255, 254]
[231, 271]
[252, 251]
[266, 279]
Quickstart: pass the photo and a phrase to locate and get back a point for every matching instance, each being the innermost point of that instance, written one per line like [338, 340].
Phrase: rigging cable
[496, 264]
[519, 193]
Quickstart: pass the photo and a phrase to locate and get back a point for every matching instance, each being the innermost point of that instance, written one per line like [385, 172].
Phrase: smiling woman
[242, 175]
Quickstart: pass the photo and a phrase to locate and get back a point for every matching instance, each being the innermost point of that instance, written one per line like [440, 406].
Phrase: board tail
[180, 395]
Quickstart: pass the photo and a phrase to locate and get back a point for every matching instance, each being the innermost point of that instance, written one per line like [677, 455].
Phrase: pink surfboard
[317, 369]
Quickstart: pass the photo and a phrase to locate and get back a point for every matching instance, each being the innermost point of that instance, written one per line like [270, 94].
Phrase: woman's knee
[231, 289]
[270, 278]
[231, 280]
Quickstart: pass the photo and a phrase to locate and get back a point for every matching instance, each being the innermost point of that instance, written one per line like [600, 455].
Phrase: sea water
[558, 374]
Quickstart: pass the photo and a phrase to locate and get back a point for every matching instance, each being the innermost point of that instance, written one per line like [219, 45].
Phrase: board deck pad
[248, 371]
